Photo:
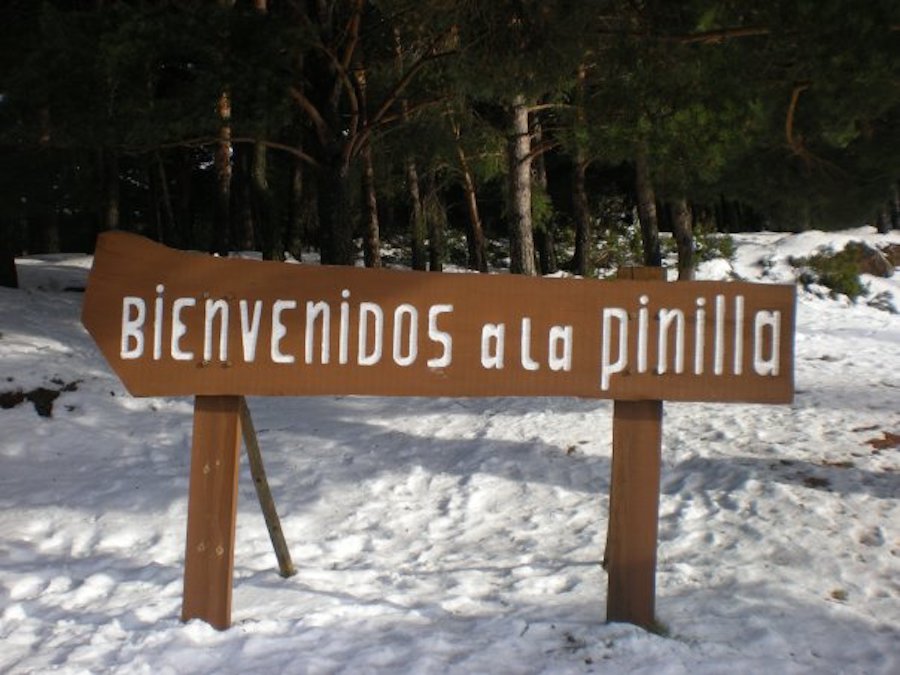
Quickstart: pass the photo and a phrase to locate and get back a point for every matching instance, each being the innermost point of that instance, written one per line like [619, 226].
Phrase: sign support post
[212, 510]
[634, 512]
[634, 500]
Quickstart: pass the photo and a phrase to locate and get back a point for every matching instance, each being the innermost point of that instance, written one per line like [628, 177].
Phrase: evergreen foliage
[838, 272]
[774, 114]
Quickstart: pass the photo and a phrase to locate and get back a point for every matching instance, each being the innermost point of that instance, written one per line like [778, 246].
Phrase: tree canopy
[284, 125]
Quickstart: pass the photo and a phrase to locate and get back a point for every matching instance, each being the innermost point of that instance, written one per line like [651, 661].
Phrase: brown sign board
[177, 323]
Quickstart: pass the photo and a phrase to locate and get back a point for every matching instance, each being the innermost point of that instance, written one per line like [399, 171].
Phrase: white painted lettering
[344, 330]
[607, 367]
[215, 308]
[437, 335]
[315, 310]
[719, 337]
[738, 334]
[412, 337]
[158, 322]
[366, 310]
[132, 343]
[643, 337]
[528, 363]
[666, 318]
[179, 329]
[250, 328]
[279, 331]
[761, 364]
[493, 336]
[700, 336]
[559, 348]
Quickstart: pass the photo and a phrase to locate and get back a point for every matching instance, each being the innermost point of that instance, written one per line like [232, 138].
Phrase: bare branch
[711, 37]
[353, 30]
[549, 106]
[363, 137]
[351, 86]
[284, 147]
[202, 141]
[342, 65]
[318, 121]
[403, 82]
[794, 143]
[539, 150]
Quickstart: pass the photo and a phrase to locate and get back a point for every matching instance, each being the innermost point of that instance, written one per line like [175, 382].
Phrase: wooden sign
[176, 323]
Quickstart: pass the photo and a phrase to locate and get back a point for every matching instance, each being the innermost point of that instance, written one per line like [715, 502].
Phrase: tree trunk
[222, 224]
[243, 235]
[544, 235]
[729, 216]
[188, 237]
[372, 246]
[335, 225]
[8, 276]
[581, 260]
[46, 230]
[109, 163]
[582, 263]
[297, 213]
[647, 208]
[545, 245]
[477, 259]
[895, 207]
[882, 221]
[268, 228]
[418, 225]
[168, 224]
[684, 239]
[436, 216]
[521, 235]
[155, 199]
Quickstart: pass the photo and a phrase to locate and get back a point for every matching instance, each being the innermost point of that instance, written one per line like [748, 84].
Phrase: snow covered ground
[456, 536]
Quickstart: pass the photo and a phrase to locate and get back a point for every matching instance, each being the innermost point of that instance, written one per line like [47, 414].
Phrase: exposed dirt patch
[10, 399]
[889, 441]
[42, 398]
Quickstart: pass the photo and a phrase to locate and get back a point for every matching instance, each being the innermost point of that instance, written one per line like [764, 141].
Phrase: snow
[457, 535]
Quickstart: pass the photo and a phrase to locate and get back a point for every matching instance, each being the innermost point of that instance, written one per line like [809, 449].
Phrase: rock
[892, 253]
[869, 260]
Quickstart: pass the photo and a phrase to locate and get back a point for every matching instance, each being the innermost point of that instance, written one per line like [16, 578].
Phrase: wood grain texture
[631, 543]
[287, 346]
[212, 510]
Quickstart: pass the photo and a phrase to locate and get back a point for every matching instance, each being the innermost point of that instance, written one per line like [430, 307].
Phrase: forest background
[571, 131]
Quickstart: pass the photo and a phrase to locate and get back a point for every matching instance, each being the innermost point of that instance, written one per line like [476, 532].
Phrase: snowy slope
[456, 536]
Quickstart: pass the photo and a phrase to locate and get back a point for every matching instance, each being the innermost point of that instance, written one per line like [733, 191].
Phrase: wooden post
[212, 510]
[264, 494]
[630, 558]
